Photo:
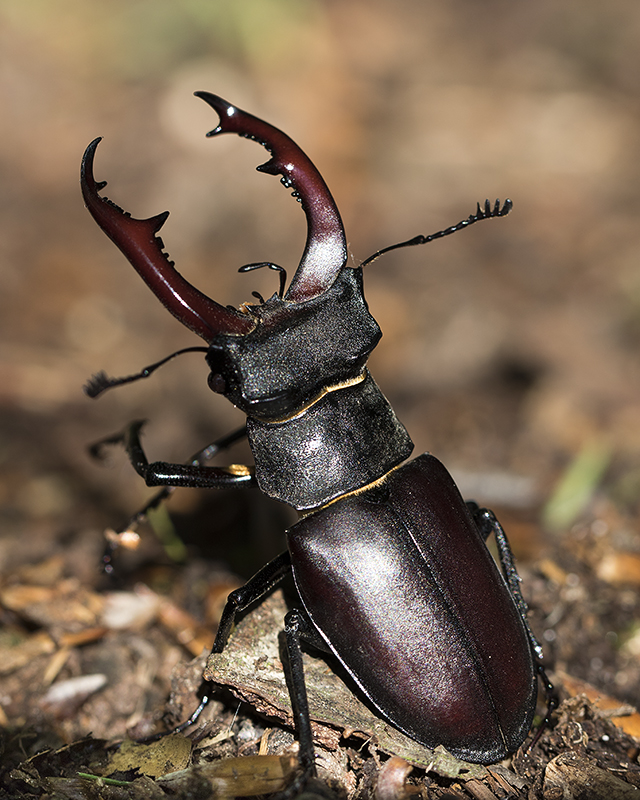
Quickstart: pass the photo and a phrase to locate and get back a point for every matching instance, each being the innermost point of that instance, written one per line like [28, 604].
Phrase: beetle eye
[217, 383]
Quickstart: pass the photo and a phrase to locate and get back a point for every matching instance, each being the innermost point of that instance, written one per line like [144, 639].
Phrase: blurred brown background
[507, 349]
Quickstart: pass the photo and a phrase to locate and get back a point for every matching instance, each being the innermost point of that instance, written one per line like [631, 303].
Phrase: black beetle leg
[262, 582]
[552, 703]
[224, 442]
[161, 473]
[255, 588]
[197, 459]
[487, 523]
[297, 626]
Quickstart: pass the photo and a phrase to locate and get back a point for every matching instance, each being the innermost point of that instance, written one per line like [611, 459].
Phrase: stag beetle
[390, 564]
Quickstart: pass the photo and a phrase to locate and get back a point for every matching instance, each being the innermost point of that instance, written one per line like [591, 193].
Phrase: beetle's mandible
[390, 563]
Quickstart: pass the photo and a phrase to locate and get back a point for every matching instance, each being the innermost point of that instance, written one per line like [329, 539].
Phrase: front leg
[130, 438]
[162, 473]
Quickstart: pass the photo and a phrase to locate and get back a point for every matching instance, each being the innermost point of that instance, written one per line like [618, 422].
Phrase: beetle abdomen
[406, 594]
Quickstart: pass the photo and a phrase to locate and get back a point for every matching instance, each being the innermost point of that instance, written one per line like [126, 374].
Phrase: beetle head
[272, 358]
